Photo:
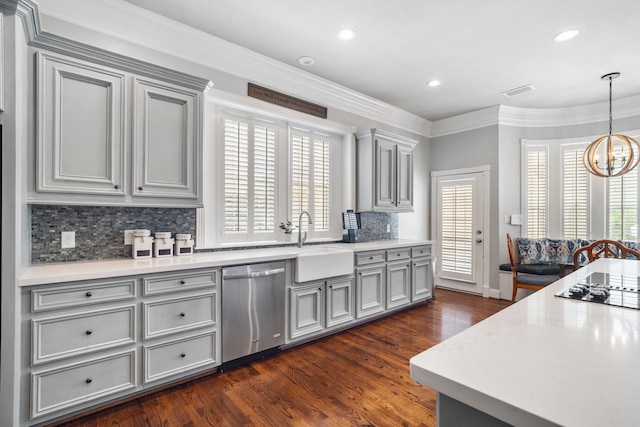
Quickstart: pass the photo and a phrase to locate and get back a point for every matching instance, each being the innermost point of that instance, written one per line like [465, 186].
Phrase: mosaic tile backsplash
[374, 226]
[99, 230]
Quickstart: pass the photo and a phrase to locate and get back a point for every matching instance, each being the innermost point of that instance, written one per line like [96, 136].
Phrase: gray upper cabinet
[80, 128]
[109, 137]
[166, 123]
[384, 172]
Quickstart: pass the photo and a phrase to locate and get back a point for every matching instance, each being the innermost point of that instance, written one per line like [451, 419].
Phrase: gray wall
[474, 148]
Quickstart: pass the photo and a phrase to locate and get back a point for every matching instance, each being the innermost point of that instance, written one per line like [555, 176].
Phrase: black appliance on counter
[351, 223]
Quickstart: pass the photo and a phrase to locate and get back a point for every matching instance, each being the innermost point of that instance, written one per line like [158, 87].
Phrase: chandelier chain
[610, 105]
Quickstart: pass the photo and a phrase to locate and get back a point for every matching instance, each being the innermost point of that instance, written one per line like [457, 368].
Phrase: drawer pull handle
[88, 381]
[88, 294]
[182, 282]
[397, 254]
[183, 354]
[370, 257]
[183, 314]
[89, 332]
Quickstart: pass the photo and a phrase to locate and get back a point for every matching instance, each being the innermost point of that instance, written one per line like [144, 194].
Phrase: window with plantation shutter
[574, 204]
[457, 228]
[311, 183]
[537, 159]
[575, 200]
[623, 206]
[249, 179]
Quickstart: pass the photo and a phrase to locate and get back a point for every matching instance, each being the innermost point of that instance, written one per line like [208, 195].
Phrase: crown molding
[465, 122]
[124, 21]
[554, 117]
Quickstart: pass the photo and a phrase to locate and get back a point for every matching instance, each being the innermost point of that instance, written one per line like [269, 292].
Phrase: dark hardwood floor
[358, 377]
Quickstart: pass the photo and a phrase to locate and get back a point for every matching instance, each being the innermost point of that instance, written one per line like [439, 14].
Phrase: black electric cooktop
[605, 288]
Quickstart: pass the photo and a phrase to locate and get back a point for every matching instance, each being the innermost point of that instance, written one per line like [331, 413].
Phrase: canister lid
[183, 236]
[141, 233]
[163, 234]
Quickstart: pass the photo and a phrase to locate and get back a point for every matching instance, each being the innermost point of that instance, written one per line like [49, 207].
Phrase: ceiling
[478, 49]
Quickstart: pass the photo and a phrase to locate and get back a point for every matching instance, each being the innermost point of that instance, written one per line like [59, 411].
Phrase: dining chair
[521, 280]
[603, 248]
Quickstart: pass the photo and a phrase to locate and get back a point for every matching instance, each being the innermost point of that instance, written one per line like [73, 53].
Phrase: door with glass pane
[460, 230]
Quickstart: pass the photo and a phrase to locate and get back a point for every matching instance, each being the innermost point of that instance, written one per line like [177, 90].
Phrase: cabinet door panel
[81, 125]
[422, 279]
[166, 120]
[398, 284]
[306, 311]
[404, 194]
[340, 304]
[385, 174]
[370, 292]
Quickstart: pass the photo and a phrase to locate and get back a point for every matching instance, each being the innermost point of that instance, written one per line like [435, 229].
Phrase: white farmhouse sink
[322, 262]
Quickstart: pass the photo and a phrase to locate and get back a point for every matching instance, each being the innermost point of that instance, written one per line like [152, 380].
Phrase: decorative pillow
[560, 251]
[532, 251]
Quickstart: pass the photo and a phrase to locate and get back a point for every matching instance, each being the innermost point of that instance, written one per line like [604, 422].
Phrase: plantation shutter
[537, 189]
[457, 228]
[311, 178]
[236, 176]
[575, 200]
[623, 206]
[249, 179]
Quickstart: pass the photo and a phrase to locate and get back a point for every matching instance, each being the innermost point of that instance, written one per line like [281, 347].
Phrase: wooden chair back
[604, 248]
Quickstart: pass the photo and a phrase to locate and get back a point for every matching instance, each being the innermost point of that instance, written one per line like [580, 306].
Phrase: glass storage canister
[142, 244]
[184, 244]
[163, 245]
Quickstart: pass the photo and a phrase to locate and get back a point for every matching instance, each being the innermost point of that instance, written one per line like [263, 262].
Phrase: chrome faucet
[301, 239]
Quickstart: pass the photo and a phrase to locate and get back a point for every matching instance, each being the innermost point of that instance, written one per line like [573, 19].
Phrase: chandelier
[613, 154]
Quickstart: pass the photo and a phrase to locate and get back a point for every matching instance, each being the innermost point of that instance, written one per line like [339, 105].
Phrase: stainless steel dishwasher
[253, 304]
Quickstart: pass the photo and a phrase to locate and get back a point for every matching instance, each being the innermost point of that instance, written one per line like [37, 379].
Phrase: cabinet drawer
[180, 281]
[72, 385]
[420, 251]
[163, 360]
[177, 315]
[82, 294]
[398, 254]
[64, 336]
[364, 258]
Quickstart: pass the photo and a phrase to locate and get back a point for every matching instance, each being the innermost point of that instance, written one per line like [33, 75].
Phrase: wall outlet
[128, 237]
[388, 228]
[68, 239]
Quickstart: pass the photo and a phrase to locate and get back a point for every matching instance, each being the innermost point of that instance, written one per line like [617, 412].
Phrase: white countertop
[88, 270]
[546, 360]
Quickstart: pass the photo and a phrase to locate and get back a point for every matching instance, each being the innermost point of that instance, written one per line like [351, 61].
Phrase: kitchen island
[545, 360]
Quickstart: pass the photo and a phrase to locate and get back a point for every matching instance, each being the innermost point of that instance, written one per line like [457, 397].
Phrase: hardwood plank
[359, 377]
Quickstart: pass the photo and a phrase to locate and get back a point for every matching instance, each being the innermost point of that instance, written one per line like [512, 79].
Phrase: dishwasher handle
[253, 274]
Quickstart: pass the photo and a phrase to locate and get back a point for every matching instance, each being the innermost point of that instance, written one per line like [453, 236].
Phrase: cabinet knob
[88, 294]
[370, 257]
[140, 188]
[117, 187]
[183, 314]
[182, 282]
[88, 381]
[183, 354]
[397, 254]
[89, 332]
[319, 289]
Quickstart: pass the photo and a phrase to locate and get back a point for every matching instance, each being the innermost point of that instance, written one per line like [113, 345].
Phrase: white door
[461, 207]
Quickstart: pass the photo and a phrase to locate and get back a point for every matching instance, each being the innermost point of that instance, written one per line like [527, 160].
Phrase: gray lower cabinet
[398, 284]
[94, 341]
[317, 306]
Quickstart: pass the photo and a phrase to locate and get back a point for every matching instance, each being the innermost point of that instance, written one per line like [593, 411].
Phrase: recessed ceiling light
[346, 34]
[306, 60]
[434, 83]
[566, 35]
